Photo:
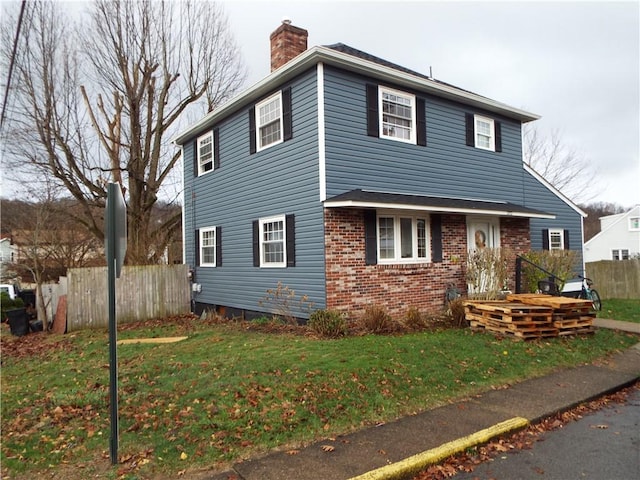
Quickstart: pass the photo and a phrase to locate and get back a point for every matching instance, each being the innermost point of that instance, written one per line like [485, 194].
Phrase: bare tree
[98, 101]
[560, 165]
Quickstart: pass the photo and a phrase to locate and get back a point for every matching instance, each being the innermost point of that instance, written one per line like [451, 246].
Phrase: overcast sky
[574, 63]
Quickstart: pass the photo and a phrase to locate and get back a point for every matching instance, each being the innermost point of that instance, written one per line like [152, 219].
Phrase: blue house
[356, 181]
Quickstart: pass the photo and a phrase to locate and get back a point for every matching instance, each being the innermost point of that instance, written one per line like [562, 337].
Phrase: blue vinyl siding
[445, 167]
[540, 197]
[282, 179]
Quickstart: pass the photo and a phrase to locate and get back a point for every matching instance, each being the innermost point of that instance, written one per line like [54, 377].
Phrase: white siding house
[619, 238]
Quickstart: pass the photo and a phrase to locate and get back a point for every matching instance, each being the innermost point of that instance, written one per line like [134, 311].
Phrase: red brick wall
[352, 285]
[287, 42]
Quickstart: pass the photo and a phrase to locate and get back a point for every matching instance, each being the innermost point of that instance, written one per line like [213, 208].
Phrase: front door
[482, 232]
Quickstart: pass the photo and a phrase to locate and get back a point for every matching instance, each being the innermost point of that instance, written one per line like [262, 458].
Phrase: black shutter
[566, 239]
[287, 122]
[470, 129]
[195, 157]
[216, 149]
[545, 239]
[370, 238]
[197, 247]
[421, 123]
[256, 244]
[218, 246]
[291, 240]
[436, 237]
[373, 128]
[498, 131]
[252, 130]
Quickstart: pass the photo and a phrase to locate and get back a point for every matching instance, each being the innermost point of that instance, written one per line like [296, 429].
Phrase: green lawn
[227, 392]
[621, 309]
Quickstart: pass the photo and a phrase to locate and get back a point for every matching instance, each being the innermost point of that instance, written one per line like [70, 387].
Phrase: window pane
[397, 116]
[615, 254]
[273, 242]
[625, 254]
[386, 237]
[406, 238]
[422, 238]
[270, 133]
[205, 152]
[555, 240]
[208, 247]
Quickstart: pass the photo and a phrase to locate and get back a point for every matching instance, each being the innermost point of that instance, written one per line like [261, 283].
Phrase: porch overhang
[399, 201]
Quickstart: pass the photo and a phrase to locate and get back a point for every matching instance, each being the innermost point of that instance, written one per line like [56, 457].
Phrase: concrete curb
[414, 464]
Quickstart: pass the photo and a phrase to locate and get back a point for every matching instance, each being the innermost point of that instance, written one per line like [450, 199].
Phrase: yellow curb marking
[151, 340]
[416, 463]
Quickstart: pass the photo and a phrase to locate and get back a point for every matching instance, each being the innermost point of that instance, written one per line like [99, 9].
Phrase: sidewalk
[398, 449]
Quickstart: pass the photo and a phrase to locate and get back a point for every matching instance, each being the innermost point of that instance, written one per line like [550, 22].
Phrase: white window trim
[277, 95]
[261, 223]
[412, 136]
[201, 246]
[397, 247]
[201, 171]
[631, 228]
[492, 132]
[560, 232]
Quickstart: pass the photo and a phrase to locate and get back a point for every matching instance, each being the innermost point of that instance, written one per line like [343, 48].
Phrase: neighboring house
[356, 182]
[619, 238]
[7, 251]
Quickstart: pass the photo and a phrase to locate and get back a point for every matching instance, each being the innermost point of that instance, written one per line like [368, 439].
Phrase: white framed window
[397, 115]
[205, 153]
[402, 238]
[273, 237]
[269, 121]
[556, 239]
[208, 247]
[620, 254]
[634, 223]
[485, 137]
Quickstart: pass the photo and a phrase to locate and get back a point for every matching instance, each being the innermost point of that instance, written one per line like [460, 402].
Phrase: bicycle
[588, 293]
[549, 287]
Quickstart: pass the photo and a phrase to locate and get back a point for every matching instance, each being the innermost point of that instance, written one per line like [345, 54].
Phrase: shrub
[559, 262]
[414, 319]
[328, 323]
[285, 304]
[376, 320]
[455, 311]
[7, 304]
[488, 272]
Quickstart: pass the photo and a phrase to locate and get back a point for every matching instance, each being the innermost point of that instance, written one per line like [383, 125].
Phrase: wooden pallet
[528, 316]
[549, 300]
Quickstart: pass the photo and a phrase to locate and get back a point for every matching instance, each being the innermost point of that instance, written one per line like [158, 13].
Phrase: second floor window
[485, 136]
[205, 153]
[634, 223]
[397, 115]
[269, 121]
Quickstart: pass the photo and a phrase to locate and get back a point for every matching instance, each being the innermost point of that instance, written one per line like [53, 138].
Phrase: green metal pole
[113, 354]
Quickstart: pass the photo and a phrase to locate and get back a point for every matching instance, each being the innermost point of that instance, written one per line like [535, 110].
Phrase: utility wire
[13, 58]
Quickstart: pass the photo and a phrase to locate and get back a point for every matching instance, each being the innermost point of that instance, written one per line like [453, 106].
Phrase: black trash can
[18, 321]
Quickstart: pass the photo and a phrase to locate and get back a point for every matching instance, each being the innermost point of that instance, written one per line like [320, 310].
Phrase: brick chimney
[287, 42]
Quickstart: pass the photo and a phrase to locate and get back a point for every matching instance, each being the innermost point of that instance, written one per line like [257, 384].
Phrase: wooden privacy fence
[142, 292]
[615, 279]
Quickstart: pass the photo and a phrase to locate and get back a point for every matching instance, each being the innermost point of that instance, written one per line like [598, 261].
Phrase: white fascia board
[554, 190]
[423, 208]
[354, 64]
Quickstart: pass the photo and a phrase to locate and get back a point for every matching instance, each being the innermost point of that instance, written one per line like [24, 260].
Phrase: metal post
[113, 354]
[518, 274]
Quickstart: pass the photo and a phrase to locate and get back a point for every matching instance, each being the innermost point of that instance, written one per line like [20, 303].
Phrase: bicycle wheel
[595, 298]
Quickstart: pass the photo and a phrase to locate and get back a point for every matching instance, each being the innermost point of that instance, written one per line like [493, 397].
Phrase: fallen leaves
[328, 448]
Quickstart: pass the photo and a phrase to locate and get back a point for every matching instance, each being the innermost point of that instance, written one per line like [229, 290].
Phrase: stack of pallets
[572, 316]
[528, 316]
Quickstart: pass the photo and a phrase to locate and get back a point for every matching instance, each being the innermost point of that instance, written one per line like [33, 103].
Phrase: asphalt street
[604, 445]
